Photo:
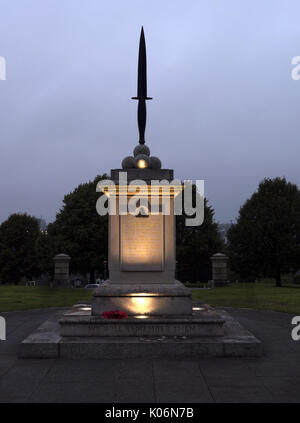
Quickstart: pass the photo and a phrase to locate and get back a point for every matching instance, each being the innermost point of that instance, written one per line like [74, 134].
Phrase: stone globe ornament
[155, 163]
[141, 149]
[128, 163]
[142, 161]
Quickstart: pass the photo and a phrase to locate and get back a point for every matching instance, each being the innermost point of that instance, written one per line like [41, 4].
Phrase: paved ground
[273, 378]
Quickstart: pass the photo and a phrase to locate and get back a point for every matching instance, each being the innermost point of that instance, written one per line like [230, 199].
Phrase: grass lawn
[26, 298]
[259, 296]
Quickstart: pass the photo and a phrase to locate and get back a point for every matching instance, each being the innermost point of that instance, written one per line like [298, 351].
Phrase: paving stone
[17, 387]
[6, 364]
[272, 378]
[135, 390]
[235, 394]
[14, 400]
[71, 392]
[29, 369]
[131, 368]
[225, 367]
[176, 368]
[277, 368]
[84, 371]
[182, 390]
[283, 389]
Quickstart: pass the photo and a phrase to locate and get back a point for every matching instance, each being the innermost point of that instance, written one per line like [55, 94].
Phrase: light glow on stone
[142, 164]
[143, 295]
[141, 303]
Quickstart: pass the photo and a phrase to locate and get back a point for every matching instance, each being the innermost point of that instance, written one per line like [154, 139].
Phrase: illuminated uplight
[198, 308]
[141, 317]
[141, 304]
[142, 295]
[142, 164]
[86, 308]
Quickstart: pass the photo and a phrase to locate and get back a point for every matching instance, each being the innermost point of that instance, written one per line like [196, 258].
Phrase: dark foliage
[195, 246]
[266, 238]
[18, 258]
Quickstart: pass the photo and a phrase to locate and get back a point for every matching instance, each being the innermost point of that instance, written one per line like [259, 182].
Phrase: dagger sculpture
[142, 88]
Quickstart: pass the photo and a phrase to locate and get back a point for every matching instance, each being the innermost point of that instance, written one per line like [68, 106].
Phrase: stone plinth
[61, 269]
[220, 269]
[142, 254]
[149, 300]
[142, 249]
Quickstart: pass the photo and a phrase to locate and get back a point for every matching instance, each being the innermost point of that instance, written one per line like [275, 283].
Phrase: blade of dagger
[142, 88]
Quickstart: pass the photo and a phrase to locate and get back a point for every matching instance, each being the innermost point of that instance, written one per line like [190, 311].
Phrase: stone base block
[145, 299]
[203, 323]
[46, 342]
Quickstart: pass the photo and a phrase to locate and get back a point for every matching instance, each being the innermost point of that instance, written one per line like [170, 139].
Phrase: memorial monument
[160, 319]
[142, 254]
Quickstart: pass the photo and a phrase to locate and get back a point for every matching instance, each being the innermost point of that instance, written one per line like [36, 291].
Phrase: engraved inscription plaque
[142, 243]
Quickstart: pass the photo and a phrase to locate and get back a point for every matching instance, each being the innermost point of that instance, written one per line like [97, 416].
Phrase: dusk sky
[225, 107]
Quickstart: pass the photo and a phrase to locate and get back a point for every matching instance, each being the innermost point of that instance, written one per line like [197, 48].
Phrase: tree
[78, 231]
[18, 235]
[45, 252]
[195, 245]
[265, 241]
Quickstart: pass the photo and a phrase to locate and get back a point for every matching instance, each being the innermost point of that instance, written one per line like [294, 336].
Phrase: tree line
[263, 242]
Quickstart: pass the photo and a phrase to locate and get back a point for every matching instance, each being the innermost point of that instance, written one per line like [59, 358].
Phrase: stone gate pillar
[220, 269]
[61, 270]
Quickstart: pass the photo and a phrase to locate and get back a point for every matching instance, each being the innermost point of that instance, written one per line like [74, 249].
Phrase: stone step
[47, 342]
[207, 323]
